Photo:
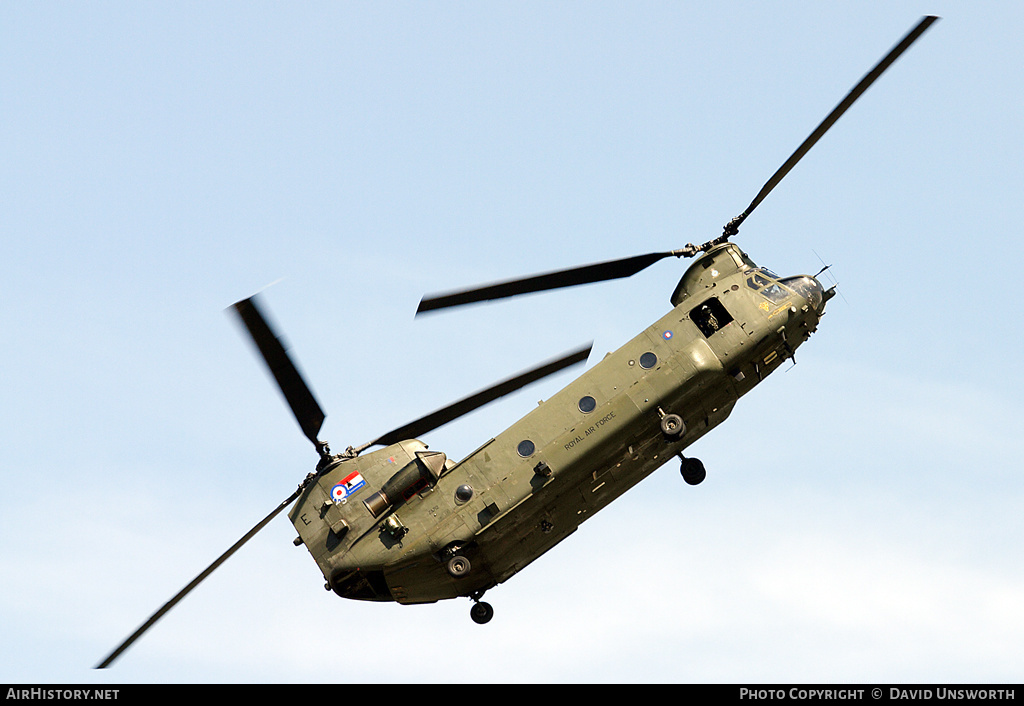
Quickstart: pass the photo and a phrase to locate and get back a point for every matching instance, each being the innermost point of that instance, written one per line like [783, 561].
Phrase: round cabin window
[648, 360]
[587, 404]
[463, 494]
[526, 448]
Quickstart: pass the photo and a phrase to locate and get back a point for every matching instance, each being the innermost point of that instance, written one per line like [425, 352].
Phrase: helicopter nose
[810, 289]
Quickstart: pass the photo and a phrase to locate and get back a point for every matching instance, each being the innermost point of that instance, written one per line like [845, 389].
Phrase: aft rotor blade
[732, 227]
[296, 391]
[196, 581]
[586, 274]
[464, 406]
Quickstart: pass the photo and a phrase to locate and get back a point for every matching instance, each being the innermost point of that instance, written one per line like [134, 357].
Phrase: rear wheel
[693, 471]
[481, 612]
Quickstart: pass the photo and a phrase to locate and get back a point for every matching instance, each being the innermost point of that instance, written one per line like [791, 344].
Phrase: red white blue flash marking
[347, 487]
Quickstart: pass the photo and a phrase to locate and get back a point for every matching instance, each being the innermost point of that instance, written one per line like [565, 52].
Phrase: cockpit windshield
[807, 287]
[763, 281]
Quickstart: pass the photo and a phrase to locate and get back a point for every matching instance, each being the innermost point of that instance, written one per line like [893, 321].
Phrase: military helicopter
[407, 524]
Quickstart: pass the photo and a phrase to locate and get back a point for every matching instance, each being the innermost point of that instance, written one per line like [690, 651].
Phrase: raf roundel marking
[351, 483]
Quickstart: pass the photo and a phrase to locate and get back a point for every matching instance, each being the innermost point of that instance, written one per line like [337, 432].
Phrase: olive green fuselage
[531, 486]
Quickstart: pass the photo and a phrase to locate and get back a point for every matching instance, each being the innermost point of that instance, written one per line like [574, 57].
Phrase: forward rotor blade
[732, 227]
[586, 274]
[442, 416]
[196, 581]
[297, 393]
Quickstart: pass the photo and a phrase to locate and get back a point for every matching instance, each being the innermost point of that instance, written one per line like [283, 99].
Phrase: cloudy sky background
[862, 516]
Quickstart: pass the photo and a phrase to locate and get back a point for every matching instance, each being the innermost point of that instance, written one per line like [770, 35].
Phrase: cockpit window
[756, 281]
[761, 277]
[775, 293]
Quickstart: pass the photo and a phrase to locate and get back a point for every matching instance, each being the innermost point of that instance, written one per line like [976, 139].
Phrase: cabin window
[710, 316]
[648, 360]
[587, 404]
[526, 448]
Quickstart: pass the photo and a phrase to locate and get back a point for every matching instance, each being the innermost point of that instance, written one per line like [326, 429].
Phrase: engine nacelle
[422, 473]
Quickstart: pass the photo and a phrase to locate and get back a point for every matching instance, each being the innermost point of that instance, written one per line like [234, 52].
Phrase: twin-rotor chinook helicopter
[407, 524]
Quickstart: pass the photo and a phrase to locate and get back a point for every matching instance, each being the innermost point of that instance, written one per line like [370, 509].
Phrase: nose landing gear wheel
[481, 612]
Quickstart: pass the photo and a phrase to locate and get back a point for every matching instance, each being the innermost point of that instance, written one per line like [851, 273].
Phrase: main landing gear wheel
[481, 612]
[693, 471]
[458, 566]
[672, 426]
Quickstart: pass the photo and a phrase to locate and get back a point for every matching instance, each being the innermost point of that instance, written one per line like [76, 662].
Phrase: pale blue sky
[861, 520]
